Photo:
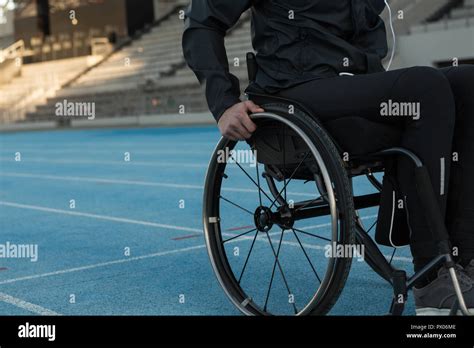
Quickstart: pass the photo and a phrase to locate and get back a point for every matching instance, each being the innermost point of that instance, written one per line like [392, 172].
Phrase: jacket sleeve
[380, 45]
[206, 24]
[378, 5]
[371, 35]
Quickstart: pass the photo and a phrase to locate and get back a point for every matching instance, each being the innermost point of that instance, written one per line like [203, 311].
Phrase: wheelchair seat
[371, 136]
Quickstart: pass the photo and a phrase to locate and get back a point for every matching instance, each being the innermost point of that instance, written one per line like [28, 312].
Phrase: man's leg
[430, 136]
[460, 213]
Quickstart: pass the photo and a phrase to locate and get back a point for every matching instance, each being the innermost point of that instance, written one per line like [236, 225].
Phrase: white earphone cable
[393, 35]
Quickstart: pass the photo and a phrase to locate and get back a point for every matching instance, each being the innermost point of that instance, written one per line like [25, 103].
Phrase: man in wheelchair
[325, 59]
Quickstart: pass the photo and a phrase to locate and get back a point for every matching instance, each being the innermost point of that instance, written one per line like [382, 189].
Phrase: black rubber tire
[344, 203]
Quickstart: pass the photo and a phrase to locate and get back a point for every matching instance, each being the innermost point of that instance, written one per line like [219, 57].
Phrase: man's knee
[461, 77]
[430, 88]
[425, 77]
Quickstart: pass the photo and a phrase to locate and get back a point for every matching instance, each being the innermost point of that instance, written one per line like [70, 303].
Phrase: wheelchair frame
[377, 261]
[370, 164]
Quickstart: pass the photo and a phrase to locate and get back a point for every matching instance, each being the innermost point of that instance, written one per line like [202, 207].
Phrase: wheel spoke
[393, 254]
[310, 202]
[273, 273]
[312, 235]
[371, 227]
[281, 270]
[258, 179]
[251, 179]
[236, 205]
[234, 229]
[248, 257]
[238, 236]
[289, 180]
[307, 257]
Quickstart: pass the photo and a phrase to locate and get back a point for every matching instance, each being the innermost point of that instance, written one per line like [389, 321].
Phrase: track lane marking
[153, 224]
[137, 258]
[101, 264]
[30, 307]
[106, 162]
[131, 182]
[99, 217]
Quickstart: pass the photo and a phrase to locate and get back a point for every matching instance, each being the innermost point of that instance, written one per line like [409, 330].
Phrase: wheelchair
[253, 263]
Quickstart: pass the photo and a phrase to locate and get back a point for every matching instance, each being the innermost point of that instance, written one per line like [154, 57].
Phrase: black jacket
[295, 41]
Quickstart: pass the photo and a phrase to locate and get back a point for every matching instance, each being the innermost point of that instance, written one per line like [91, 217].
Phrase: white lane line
[30, 307]
[308, 246]
[100, 180]
[400, 258]
[132, 163]
[312, 227]
[102, 264]
[147, 223]
[105, 162]
[131, 182]
[125, 220]
[113, 145]
[109, 151]
[144, 257]
[100, 217]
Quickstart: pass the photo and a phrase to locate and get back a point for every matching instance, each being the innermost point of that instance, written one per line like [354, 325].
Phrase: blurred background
[125, 56]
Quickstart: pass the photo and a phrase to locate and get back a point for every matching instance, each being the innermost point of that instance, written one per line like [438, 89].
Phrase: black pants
[443, 137]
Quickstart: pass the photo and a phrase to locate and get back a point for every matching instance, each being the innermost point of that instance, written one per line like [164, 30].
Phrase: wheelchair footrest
[400, 292]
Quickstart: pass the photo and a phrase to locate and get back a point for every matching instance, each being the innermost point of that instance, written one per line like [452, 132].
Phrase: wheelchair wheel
[275, 226]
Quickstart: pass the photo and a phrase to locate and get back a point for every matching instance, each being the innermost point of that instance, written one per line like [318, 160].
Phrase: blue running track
[129, 246]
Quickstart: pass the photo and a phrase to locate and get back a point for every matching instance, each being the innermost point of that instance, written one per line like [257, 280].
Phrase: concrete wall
[175, 120]
[163, 6]
[6, 24]
[6, 29]
[436, 46]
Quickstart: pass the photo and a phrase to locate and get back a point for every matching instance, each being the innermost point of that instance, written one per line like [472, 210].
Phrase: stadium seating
[150, 77]
[37, 82]
[148, 58]
[453, 18]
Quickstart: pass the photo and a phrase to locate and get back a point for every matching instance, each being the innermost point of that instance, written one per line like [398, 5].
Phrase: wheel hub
[264, 218]
[286, 219]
